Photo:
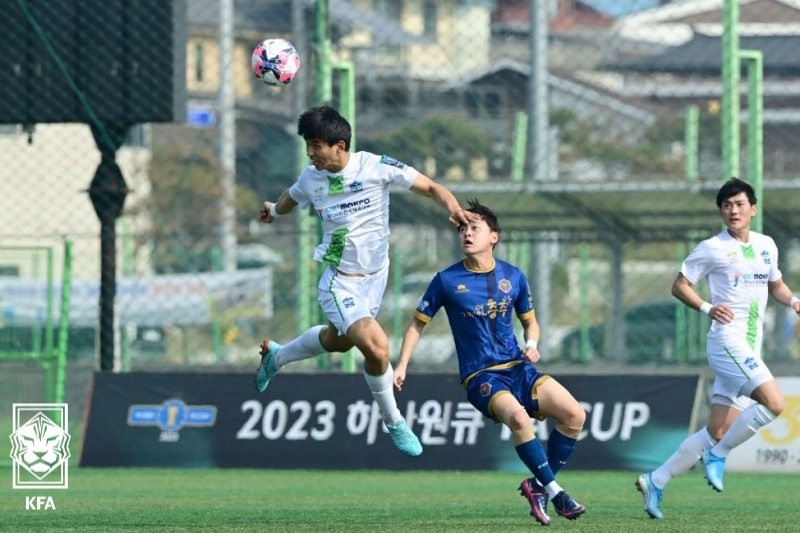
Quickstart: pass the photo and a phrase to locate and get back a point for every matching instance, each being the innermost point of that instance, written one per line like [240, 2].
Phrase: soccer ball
[275, 61]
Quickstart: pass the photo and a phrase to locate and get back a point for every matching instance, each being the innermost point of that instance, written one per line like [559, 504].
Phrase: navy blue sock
[532, 454]
[559, 449]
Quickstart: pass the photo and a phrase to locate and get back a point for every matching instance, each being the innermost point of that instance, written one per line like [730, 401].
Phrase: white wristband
[273, 212]
[705, 307]
[531, 343]
[793, 301]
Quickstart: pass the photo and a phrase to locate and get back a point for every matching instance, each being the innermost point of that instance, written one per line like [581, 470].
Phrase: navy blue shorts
[521, 380]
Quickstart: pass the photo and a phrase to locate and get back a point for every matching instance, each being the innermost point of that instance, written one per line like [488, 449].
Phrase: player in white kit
[741, 269]
[350, 193]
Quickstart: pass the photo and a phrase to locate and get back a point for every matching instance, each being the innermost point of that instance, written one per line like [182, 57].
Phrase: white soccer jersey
[354, 208]
[737, 275]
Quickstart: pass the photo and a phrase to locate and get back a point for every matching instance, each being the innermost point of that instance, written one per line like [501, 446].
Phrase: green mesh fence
[598, 131]
[34, 332]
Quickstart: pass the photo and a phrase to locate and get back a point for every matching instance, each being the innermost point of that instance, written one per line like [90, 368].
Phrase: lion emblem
[40, 446]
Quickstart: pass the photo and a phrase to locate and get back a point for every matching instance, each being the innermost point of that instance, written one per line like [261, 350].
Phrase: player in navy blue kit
[479, 295]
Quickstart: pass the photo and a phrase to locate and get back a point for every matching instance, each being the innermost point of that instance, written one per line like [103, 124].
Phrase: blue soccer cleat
[652, 495]
[404, 439]
[537, 498]
[566, 507]
[267, 368]
[715, 470]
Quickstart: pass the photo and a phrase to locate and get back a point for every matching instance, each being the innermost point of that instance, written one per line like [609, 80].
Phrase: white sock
[745, 426]
[305, 346]
[552, 489]
[382, 388]
[685, 457]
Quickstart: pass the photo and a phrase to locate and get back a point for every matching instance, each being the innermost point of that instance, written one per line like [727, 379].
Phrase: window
[9, 271]
[492, 102]
[392, 9]
[198, 62]
[429, 16]
[484, 103]
[366, 96]
[395, 97]
[138, 136]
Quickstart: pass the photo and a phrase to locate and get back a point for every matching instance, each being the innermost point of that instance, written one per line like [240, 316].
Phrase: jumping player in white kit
[350, 193]
[741, 269]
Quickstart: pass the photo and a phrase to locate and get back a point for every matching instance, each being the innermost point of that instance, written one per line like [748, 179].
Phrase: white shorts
[345, 299]
[739, 371]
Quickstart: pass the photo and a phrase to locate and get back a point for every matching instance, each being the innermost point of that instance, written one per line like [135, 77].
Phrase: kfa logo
[40, 446]
[39, 503]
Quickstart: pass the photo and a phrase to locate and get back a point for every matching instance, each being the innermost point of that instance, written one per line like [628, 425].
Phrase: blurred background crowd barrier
[134, 136]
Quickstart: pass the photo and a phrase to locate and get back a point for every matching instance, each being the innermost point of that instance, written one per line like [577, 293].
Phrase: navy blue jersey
[479, 308]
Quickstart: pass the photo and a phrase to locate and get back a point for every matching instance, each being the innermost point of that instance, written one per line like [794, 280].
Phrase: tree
[449, 140]
[183, 209]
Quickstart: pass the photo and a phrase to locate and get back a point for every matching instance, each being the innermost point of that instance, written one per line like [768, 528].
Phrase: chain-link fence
[596, 130]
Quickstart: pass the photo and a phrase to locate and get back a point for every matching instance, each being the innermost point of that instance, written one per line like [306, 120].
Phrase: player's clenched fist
[264, 215]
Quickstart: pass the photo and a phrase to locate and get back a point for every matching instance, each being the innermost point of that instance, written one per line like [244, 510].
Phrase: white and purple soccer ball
[275, 61]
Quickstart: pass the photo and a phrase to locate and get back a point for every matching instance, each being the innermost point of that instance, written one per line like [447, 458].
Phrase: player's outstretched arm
[410, 340]
[440, 194]
[272, 210]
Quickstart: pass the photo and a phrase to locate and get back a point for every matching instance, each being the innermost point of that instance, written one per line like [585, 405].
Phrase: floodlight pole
[227, 138]
[538, 125]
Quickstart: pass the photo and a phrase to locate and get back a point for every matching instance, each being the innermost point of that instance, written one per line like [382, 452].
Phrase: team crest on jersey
[386, 160]
[348, 303]
[732, 257]
[765, 257]
[461, 288]
[504, 285]
[356, 186]
[486, 389]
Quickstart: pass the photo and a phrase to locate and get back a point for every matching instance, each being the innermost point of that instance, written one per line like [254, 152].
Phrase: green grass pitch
[164, 500]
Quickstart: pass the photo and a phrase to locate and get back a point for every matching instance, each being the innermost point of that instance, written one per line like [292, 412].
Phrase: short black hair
[485, 213]
[325, 123]
[734, 186]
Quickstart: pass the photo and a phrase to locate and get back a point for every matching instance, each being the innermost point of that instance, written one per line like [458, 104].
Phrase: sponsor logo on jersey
[356, 186]
[765, 257]
[750, 279]
[386, 160]
[461, 288]
[339, 210]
